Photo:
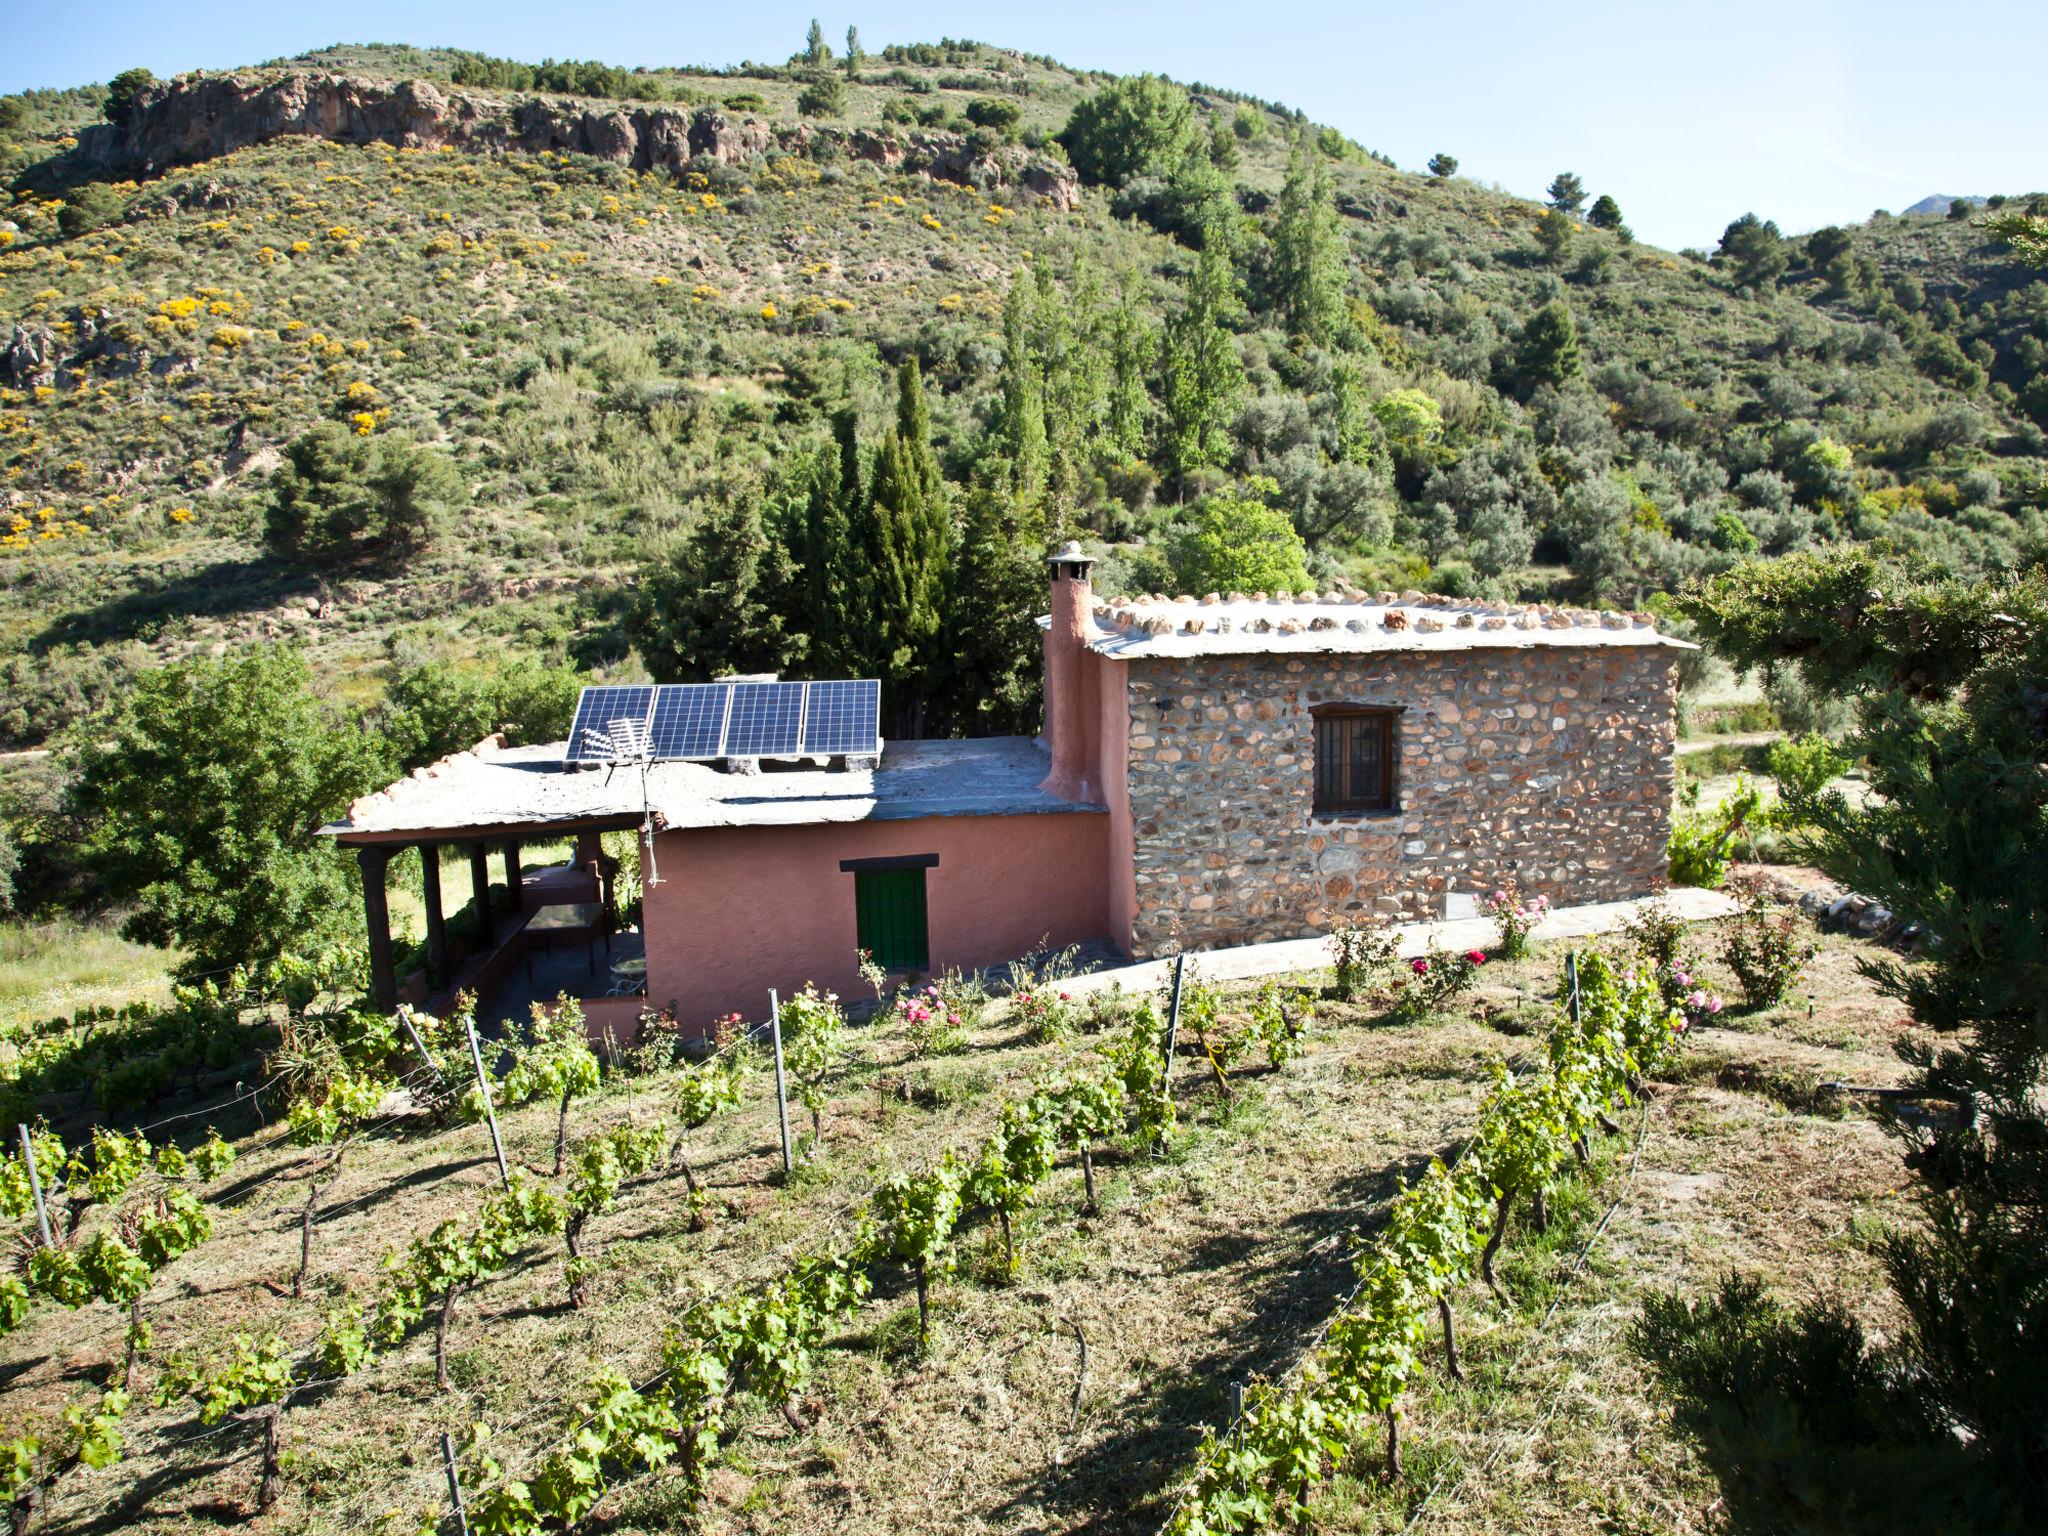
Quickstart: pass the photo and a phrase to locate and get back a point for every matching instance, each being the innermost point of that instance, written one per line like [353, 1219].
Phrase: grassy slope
[1215, 1263]
[592, 348]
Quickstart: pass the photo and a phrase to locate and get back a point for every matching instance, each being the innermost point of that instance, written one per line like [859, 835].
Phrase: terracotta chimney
[1070, 724]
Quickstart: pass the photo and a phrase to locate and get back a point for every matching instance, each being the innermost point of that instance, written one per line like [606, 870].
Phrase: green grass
[58, 966]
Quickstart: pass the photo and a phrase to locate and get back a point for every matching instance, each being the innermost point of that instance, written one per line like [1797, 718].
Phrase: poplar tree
[816, 49]
[1132, 344]
[1308, 248]
[1204, 376]
[823, 595]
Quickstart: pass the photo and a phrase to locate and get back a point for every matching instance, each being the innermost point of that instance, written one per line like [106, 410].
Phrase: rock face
[189, 120]
[1548, 767]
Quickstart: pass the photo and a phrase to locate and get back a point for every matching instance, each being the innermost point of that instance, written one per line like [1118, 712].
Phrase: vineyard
[1033, 1253]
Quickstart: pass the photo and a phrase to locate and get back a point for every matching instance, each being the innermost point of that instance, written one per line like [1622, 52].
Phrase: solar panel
[598, 710]
[689, 720]
[766, 720]
[841, 717]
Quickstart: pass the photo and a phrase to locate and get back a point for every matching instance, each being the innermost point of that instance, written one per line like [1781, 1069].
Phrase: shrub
[1766, 949]
[823, 97]
[1655, 933]
[1512, 920]
[1238, 543]
[1047, 1014]
[92, 206]
[340, 494]
[989, 112]
[1362, 953]
[1436, 979]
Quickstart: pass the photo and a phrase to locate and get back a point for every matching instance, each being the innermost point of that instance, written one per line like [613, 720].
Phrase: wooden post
[512, 875]
[476, 1059]
[1180, 962]
[454, 1484]
[377, 919]
[781, 1086]
[437, 927]
[480, 890]
[35, 1184]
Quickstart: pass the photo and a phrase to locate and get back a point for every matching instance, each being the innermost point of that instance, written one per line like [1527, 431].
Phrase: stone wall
[1550, 766]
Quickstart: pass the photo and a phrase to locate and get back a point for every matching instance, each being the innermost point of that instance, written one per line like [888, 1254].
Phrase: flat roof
[502, 789]
[1351, 623]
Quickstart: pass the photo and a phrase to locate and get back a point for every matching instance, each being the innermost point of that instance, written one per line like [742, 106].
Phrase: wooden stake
[454, 1483]
[476, 1059]
[781, 1085]
[35, 1184]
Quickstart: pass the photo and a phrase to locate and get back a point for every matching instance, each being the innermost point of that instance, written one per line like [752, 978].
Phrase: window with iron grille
[1354, 760]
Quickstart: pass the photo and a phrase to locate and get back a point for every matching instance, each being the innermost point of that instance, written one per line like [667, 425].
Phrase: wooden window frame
[1388, 801]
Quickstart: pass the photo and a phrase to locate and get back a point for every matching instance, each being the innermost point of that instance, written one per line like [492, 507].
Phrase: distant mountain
[1939, 202]
[616, 302]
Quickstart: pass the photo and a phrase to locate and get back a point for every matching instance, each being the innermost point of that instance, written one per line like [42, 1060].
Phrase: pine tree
[1605, 213]
[1204, 376]
[1567, 193]
[1443, 167]
[1549, 350]
[1308, 248]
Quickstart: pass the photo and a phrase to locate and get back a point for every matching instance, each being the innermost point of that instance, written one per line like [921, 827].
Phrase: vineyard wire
[1578, 1264]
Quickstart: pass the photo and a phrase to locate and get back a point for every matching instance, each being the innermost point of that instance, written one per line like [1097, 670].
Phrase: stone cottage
[1214, 771]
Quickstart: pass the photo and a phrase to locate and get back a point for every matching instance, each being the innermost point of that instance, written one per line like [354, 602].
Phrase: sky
[1803, 112]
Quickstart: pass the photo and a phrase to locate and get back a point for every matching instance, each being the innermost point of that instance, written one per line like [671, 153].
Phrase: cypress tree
[991, 684]
[1023, 417]
[704, 606]
[908, 538]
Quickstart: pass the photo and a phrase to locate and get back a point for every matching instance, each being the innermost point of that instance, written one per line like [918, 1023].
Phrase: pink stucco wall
[1112, 754]
[742, 909]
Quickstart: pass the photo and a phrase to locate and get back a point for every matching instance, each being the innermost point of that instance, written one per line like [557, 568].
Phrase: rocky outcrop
[198, 118]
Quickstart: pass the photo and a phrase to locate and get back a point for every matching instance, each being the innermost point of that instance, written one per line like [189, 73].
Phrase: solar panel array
[698, 722]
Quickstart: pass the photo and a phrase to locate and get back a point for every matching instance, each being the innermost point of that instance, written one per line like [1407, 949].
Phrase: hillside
[612, 313]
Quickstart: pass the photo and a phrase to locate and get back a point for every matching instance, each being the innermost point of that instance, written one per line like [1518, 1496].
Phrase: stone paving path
[1288, 955]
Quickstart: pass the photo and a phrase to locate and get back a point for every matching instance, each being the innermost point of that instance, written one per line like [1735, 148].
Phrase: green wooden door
[888, 905]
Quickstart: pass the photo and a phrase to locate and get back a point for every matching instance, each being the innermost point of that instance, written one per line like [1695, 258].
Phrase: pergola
[375, 851]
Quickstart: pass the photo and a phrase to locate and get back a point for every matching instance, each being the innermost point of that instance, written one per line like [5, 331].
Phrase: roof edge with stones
[1374, 621]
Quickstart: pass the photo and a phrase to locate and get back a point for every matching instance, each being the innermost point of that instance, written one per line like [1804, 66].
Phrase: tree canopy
[201, 795]
[1140, 125]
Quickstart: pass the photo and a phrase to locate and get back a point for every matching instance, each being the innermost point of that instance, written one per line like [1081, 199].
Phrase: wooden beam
[480, 889]
[437, 929]
[377, 920]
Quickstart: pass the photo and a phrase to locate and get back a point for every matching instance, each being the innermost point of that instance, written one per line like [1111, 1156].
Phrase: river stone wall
[1548, 766]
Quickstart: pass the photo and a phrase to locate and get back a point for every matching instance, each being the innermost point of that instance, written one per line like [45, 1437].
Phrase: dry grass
[1203, 1267]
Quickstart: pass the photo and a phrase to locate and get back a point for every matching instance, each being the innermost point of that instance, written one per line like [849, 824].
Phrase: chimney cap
[1069, 553]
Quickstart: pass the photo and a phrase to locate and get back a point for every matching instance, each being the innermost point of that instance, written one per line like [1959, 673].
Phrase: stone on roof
[1351, 622]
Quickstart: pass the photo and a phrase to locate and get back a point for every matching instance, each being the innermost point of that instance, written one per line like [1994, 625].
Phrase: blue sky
[1808, 113]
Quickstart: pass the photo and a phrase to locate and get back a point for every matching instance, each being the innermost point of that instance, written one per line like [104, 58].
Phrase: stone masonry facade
[1547, 766]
